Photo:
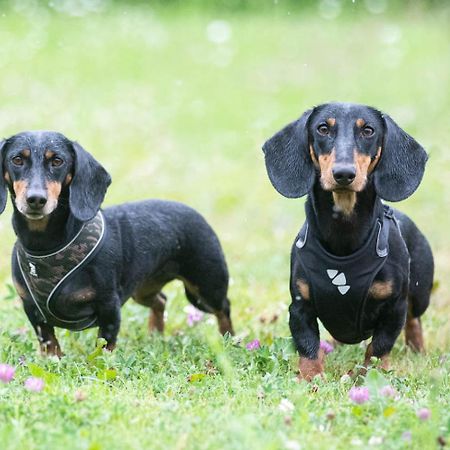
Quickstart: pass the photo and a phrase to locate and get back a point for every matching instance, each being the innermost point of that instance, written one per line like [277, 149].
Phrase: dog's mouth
[34, 215]
[329, 186]
[357, 185]
[342, 189]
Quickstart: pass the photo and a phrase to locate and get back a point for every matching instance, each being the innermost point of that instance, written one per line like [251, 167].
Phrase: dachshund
[75, 265]
[360, 267]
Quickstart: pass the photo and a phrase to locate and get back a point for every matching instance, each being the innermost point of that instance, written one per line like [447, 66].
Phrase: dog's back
[162, 239]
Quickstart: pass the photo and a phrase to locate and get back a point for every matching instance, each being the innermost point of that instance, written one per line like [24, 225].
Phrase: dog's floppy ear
[88, 186]
[401, 166]
[288, 161]
[3, 189]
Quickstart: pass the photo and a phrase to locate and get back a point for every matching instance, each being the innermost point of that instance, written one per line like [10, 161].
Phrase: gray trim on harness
[29, 289]
[302, 240]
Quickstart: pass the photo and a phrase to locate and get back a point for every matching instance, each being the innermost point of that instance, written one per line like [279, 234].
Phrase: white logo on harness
[338, 280]
[33, 272]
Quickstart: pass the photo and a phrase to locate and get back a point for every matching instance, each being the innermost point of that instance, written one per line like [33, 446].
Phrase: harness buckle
[388, 212]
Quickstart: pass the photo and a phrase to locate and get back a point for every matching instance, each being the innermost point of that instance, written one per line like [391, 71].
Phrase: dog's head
[344, 145]
[38, 166]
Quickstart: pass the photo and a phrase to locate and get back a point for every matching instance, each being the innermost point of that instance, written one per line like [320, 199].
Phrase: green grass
[173, 115]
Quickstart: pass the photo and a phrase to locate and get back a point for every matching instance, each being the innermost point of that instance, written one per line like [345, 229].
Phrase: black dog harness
[339, 285]
[44, 275]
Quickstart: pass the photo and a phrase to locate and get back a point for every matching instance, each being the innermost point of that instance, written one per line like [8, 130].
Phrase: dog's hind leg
[157, 304]
[413, 334]
[156, 318]
[421, 273]
[212, 301]
[418, 300]
[204, 273]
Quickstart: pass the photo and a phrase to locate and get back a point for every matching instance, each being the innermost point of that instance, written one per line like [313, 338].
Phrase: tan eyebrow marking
[26, 152]
[360, 123]
[49, 154]
[331, 121]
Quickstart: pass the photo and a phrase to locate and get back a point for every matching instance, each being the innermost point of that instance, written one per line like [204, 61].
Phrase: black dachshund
[74, 266]
[360, 267]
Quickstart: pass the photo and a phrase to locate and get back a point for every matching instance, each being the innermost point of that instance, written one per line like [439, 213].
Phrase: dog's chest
[339, 286]
[48, 278]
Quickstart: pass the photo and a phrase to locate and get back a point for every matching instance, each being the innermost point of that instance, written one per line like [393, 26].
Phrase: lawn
[176, 104]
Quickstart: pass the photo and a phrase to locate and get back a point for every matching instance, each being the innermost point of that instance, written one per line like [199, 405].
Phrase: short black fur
[148, 243]
[348, 135]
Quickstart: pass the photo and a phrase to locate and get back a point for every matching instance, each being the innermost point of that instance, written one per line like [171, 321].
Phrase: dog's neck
[47, 234]
[341, 233]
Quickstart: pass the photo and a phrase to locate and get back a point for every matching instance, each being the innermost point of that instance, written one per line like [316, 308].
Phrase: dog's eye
[17, 161]
[56, 162]
[368, 131]
[323, 129]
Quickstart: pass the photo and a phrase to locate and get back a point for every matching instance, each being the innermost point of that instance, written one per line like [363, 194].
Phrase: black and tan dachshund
[362, 268]
[74, 265]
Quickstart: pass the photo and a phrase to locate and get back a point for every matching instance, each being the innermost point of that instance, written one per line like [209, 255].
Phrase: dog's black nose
[344, 175]
[36, 201]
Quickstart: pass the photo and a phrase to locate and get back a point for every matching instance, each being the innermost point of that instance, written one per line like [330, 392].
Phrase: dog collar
[44, 275]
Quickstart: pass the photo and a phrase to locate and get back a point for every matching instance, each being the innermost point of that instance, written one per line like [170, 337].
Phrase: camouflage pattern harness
[44, 275]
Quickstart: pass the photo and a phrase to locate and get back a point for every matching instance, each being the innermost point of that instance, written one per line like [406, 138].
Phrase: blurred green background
[175, 99]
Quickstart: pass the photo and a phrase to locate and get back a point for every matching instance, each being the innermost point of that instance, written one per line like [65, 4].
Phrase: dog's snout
[344, 175]
[36, 200]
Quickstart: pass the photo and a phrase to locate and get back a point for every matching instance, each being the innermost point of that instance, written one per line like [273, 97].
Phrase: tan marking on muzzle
[326, 163]
[331, 121]
[380, 289]
[362, 163]
[303, 288]
[20, 191]
[345, 200]
[53, 190]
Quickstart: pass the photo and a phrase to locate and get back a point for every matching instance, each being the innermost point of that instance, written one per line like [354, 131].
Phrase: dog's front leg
[108, 316]
[387, 330]
[305, 332]
[48, 343]
[45, 333]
